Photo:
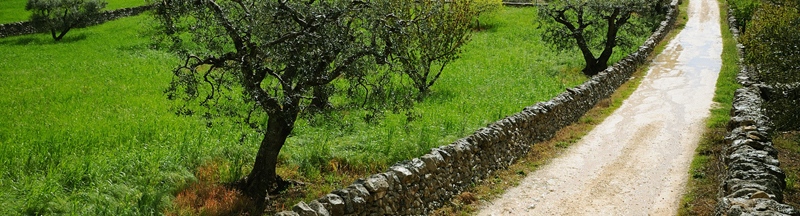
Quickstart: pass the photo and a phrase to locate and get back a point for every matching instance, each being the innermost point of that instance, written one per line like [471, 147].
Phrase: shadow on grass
[484, 25]
[33, 40]
[440, 96]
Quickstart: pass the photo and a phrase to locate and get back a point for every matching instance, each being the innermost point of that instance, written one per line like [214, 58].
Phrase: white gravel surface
[636, 161]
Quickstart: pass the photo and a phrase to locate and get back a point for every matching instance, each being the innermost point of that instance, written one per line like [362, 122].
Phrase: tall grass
[86, 129]
[503, 69]
[14, 10]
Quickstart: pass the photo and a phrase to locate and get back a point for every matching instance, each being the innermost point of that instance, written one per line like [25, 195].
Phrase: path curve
[636, 161]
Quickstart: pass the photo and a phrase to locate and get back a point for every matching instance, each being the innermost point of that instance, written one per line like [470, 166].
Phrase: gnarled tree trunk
[263, 178]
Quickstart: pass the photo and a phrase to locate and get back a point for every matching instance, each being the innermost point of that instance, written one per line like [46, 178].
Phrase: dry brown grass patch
[208, 197]
[467, 198]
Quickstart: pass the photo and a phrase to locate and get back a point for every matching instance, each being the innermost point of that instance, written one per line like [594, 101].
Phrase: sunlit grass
[86, 128]
[503, 69]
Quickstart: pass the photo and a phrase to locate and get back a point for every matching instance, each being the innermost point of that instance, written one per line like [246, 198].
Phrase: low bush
[743, 11]
[771, 43]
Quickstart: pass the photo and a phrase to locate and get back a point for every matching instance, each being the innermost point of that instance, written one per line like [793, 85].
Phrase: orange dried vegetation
[208, 197]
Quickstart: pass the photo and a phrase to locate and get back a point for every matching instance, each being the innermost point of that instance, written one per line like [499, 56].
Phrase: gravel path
[636, 161]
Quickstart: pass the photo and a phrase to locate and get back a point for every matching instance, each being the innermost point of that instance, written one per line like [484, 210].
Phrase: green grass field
[86, 129]
[504, 69]
[14, 10]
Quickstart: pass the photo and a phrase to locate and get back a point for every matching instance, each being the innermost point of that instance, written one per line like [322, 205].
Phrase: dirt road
[636, 161]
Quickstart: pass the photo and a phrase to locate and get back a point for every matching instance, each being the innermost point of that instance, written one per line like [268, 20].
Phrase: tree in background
[484, 7]
[593, 25]
[267, 63]
[63, 15]
[433, 38]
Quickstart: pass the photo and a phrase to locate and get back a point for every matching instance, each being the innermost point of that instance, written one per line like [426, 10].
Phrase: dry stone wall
[26, 27]
[753, 182]
[420, 185]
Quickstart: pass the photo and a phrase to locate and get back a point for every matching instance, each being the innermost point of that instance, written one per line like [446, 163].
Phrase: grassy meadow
[14, 10]
[86, 128]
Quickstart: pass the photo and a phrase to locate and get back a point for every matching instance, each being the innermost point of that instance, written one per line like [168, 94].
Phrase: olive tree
[593, 25]
[63, 15]
[270, 62]
[434, 36]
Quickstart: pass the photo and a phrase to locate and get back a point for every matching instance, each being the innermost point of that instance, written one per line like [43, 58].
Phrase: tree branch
[238, 41]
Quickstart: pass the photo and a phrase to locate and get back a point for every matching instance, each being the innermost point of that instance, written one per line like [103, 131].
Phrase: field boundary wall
[27, 27]
[753, 182]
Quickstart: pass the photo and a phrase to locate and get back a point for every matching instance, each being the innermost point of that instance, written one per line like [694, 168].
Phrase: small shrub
[743, 11]
[208, 197]
[771, 44]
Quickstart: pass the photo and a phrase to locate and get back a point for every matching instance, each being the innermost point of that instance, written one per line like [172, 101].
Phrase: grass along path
[86, 129]
[788, 145]
[468, 202]
[502, 70]
[701, 196]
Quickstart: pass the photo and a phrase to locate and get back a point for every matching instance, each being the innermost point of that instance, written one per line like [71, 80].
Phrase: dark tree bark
[263, 179]
[61, 35]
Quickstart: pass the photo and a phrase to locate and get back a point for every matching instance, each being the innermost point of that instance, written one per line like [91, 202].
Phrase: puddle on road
[635, 162]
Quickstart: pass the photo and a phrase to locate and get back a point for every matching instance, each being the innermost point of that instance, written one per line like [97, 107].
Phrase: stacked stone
[26, 27]
[17, 28]
[753, 182]
[420, 185]
[106, 16]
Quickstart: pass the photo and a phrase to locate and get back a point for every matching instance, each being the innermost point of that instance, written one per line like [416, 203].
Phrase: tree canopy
[771, 45]
[594, 25]
[433, 38]
[268, 63]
